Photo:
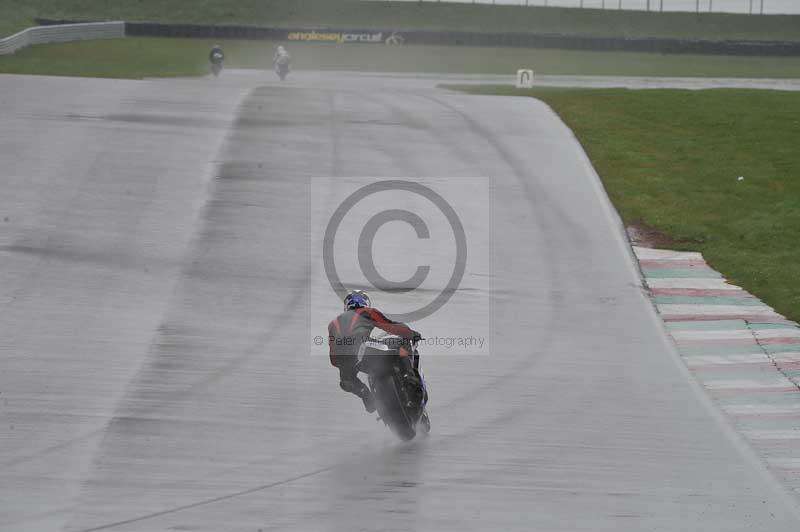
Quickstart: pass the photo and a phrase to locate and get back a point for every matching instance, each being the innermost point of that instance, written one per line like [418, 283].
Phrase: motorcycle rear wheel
[404, 428]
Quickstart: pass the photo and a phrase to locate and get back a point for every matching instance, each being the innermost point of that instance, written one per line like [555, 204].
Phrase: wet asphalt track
[155, 374]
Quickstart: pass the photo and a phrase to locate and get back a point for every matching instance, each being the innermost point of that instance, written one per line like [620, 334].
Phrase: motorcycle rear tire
[403, 427]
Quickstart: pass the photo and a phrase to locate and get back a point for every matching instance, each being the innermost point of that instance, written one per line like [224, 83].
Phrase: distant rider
[281, 57]
[346, 334]
[216, 55]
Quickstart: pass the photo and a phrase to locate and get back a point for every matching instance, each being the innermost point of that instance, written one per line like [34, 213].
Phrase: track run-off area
[161, 281]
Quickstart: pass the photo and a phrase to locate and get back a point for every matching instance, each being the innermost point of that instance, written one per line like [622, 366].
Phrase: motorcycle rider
[347, 332]
[216, 55]
[281, 57]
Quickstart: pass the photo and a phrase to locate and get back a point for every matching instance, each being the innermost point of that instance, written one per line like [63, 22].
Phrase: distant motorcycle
[399, 399]
[282, 66]
[216, 63]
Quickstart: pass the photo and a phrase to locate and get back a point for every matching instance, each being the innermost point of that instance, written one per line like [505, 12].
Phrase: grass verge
[152, 57]
[113, 58]
[19, 14]
[671, 159]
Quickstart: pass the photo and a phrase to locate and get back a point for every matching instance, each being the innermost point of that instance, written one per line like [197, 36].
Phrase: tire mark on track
[53, 448]
[300, 280]
[517, 370]
[206, 502]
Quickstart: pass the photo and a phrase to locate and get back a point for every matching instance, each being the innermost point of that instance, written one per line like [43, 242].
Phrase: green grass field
[19, 14]
[671, 159]
[149, 57]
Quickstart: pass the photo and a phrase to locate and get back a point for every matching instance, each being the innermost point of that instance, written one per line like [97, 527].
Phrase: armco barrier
[151, 29]
[61, 33]
[468, 38]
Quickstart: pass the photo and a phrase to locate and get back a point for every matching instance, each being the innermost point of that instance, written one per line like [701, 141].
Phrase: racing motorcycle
[216, 64]
[282, 66]
[399, 399]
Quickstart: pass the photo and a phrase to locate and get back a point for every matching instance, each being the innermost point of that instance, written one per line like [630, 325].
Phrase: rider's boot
[360, 389]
